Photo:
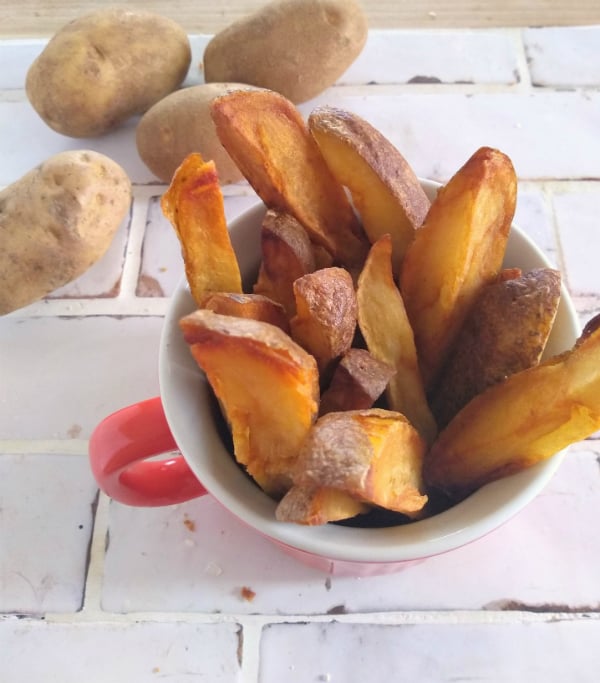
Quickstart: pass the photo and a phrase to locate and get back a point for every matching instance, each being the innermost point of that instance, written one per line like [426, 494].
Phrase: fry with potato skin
[287, 254]
[253, 306]
[374, 455]
[458, 249]
[385, 190]
[384, 324]
[313, 506]
[527, 418]
[505, 332]
[270, 415]
[266, 136]
[325, 319]
[193, 203]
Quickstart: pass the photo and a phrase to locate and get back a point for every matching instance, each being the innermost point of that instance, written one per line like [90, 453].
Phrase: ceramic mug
[183, 419]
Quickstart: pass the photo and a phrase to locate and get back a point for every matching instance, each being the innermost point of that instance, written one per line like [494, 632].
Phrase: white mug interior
[189, 409]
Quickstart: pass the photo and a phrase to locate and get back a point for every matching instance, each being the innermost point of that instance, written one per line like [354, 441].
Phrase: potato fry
[373, 455]
[253, 306]
[193, 204]
[266, 136]
[505, 332]
[384, 188]
[287, 254]
[459, 248]
[358, 381]
[527, 418]
[325, 319]
[384, 324]
[268, 388]
[312, 506]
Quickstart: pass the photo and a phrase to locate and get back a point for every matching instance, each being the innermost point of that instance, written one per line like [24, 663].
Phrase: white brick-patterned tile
[495, 652]
[132, 652]
[61, 376]
[46, 516]
[563, 56]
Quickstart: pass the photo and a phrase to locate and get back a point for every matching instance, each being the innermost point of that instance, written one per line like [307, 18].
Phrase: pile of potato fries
[383, 354]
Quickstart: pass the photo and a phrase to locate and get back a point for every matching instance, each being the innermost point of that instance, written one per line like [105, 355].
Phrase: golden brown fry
[373, 455]
[389, 337]
[267, 386]
[267, 138]
[325, 319]
[287, 254]
[385, 190]
[525, 419]
[194, 205]
[358, 381]
[317, 505]
[254, 306]
[506, 331]
[459, 248]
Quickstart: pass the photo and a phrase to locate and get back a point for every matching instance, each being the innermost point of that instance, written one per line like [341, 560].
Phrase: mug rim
[185, 392]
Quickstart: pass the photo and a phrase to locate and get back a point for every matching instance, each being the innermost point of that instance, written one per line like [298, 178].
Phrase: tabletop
[94, 590]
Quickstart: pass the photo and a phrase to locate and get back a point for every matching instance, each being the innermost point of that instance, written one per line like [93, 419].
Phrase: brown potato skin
[385, 190]
[458, 249]
[180, 124]
[56, 222]
[104, 67]
[505, 332]
[295, 47]
[517, 423]
[313, 506]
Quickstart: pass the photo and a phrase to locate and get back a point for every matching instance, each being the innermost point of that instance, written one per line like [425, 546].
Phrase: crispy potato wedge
[325, 319]
[312, 506]
[287, 254]
[458, 249]
[527, 418]
[374, 455]
[384, 324]
[193, 203]
[384, 188]
[358, 381]
[266, 136]
[253, 306]
[506, 331]
[268, 388]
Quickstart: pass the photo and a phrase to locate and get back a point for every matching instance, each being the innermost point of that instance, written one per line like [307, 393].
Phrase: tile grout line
[94, 579]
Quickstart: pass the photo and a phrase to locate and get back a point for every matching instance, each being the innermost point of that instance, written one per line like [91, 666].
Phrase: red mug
[183, 419]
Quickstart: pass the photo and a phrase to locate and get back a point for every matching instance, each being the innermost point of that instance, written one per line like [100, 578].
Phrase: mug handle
[118, 452]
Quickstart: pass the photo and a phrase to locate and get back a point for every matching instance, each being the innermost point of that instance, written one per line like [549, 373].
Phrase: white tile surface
[564, 57]
[62, 376]
[132, 652]
[46, 516]
[436, 56]
[498, 653]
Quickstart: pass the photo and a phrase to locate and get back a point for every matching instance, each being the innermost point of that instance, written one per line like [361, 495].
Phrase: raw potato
[505, 332]
[57, 221]
[103, 68]
[458, 250]
[193, 203]
[325, 319]
[358, 381]
[181, 124]
[385, 190]
[268, 388]
[389, 337]
[286, 255]
[517, 423]
[312, 506]
[373, 455]
[295, 47]
[267, 138]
